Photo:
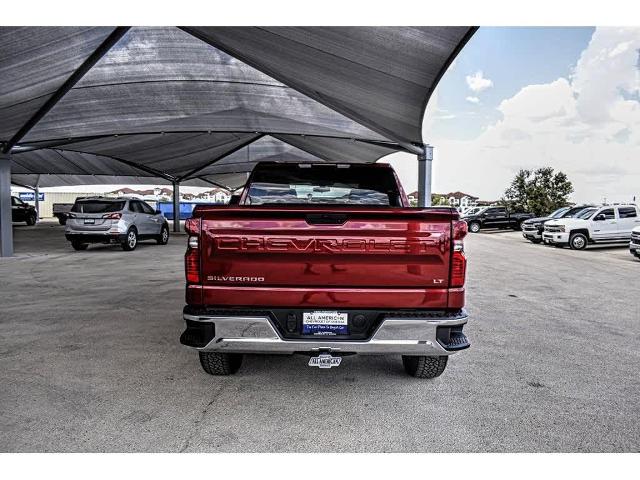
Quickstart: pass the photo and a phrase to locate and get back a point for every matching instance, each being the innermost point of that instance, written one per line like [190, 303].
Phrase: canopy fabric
[229, 182]
[206, 103]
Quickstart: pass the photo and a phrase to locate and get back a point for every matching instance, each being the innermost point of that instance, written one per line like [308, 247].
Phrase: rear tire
[163, 238]
[79, 245]
[131, 240]
[474, 227]
[31, 220]
[62, 220]
[220, 363]
[423, 366]
[578, 241]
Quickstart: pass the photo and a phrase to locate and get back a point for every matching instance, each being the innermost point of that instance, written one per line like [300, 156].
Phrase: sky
[517, 98]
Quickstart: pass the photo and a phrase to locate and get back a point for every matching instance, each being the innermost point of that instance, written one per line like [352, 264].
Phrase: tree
[438, 199]
[539, 192]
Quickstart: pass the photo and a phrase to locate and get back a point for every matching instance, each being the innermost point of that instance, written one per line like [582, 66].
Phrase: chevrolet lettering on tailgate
[329, 245]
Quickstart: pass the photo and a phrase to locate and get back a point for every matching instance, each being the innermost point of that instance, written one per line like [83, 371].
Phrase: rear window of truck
[97, 206]
[320, 184]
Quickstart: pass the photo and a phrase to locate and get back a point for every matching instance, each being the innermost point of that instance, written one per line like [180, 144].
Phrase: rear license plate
[325, 360]
[89, 221]
[325, 323]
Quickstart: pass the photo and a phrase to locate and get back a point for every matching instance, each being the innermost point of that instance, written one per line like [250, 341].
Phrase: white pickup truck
[634, 244]
[605, 224]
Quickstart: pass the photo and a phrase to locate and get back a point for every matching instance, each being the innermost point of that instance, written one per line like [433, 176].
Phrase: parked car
[61, 212]
[327, 261]
[605, 224]
[114, 220]
[634, 244]
[533, 228]
[495, 217]
[23, 212]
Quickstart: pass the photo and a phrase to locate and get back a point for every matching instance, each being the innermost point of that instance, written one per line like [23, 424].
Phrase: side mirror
[599, 218]
[158, 212]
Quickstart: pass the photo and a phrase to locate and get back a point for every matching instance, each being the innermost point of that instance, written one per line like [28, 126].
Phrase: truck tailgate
[314, 247]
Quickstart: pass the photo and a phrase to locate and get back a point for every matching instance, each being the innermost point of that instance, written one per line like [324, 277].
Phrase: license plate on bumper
[325, 323]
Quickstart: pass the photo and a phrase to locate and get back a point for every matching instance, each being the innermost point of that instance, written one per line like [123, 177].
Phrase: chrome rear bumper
[405, 336]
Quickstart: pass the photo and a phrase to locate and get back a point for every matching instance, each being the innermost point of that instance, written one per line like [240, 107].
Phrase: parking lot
[90, 361]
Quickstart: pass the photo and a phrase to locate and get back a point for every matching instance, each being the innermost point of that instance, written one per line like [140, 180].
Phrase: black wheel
[518, 226]
[31, 220]
[220, 363]
[79, 245]
[131, 240]
[62, 220]
[423, 366]
[535, 240]
[163, 238]
[474, 227]
[578, 241]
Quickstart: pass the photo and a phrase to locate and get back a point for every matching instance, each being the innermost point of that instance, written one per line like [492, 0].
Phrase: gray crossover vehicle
[114, 220]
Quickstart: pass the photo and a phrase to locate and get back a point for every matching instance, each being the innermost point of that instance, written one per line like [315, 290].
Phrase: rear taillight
[458, 268]
[192, 257]
[112, 216]
[192, 265]
[458, 259]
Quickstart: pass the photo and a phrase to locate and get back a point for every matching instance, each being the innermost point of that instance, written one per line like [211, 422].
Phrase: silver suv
[114, 220]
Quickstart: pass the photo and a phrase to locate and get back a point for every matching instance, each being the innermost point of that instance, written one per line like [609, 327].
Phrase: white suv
[114, 220]
[605, 224]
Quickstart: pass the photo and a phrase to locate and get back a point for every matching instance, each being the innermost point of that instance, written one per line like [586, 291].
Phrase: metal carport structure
[201, 105]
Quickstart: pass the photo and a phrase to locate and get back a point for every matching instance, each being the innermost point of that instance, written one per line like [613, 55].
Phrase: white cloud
[587, 125]
[477, 83]
[472, 99]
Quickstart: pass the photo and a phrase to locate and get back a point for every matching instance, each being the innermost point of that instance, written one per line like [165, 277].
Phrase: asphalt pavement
[90, 361]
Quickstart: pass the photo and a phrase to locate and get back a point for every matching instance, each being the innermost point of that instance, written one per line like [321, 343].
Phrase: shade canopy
[202, 105]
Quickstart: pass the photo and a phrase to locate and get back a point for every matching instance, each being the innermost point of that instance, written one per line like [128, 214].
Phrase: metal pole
[425, 161]
[37, 199]
[6, 228]
[176, 206]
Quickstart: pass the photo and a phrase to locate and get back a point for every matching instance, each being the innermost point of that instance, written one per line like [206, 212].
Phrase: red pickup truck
[327, 261]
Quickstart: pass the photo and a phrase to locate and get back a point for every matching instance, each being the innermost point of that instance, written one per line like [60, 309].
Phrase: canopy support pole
[176, 206]
[425, 161]
[6, 228]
